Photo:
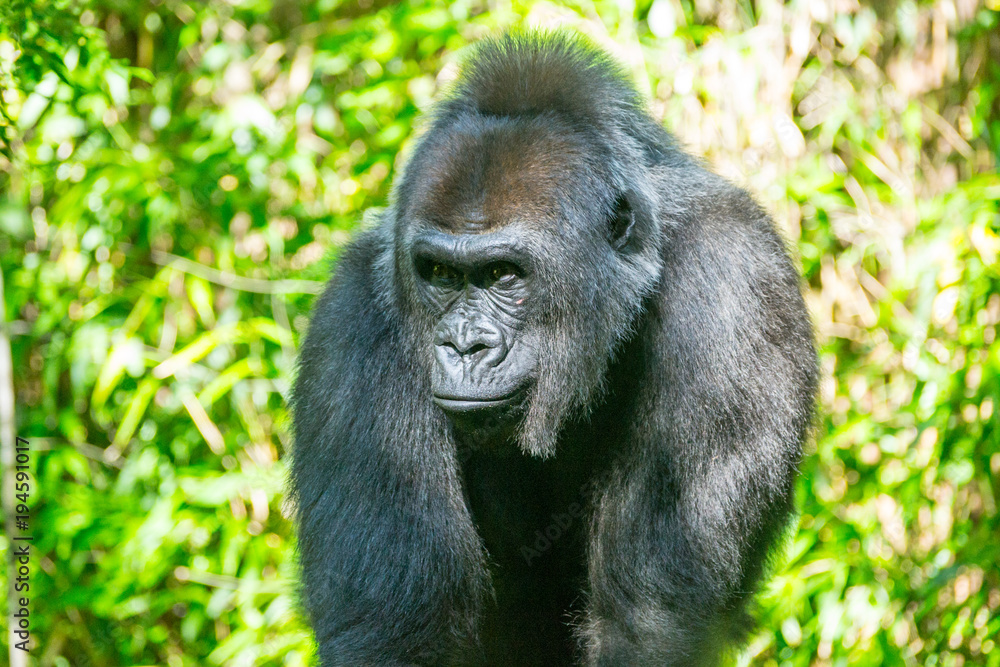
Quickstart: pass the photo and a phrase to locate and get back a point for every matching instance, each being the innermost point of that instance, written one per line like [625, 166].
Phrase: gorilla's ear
[622, 222]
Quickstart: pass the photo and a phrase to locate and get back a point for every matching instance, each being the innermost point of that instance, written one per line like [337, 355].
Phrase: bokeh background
[176, 178]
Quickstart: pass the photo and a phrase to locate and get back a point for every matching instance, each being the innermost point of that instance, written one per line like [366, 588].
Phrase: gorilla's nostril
[465, 351]
[452, 349]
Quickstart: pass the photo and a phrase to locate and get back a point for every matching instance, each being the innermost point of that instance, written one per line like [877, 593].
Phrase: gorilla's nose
[469, 338]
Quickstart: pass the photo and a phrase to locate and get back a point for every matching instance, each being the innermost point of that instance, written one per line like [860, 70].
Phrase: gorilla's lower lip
[456, 404]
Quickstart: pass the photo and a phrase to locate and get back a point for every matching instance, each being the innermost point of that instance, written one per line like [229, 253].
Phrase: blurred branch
[16, 327]
[207, 428]
[949, 133]
[226, 581]
[92, 452]
[234, 281]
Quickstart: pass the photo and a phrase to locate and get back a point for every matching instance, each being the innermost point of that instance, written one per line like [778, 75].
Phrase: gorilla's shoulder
[709, 216]
[354, 297]
[721, 245]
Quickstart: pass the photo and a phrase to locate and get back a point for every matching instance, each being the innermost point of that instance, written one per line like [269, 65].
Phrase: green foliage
[172, 174]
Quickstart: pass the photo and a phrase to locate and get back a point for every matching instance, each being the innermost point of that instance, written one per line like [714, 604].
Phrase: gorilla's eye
[442, 274]
[502, 272]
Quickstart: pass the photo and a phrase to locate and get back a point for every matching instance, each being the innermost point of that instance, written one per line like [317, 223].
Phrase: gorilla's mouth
[465, 404]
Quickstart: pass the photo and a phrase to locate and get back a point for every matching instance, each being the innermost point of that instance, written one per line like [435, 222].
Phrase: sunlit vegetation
[176, 178]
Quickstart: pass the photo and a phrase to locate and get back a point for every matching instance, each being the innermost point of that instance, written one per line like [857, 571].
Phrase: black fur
[626, 517]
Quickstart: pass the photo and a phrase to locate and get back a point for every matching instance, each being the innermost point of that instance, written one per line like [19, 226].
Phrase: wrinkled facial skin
[477, 287]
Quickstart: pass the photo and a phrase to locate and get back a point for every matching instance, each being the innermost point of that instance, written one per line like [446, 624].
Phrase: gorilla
[550, 407]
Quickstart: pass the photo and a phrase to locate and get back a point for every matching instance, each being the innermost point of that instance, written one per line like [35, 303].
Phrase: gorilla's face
[520, 261]
[478, 287]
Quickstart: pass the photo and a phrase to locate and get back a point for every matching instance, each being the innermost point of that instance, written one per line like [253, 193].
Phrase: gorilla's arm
[393, 569]
[725, 359]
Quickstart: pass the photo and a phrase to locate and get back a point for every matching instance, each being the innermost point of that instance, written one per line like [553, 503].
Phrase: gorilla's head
[525, 242]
